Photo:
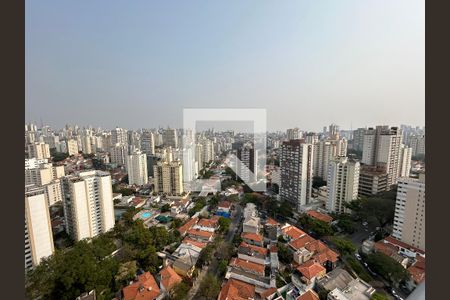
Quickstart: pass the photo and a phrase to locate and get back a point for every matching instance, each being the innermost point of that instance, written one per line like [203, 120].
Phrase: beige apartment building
[168, 178]
[409, 220]
[39, 150]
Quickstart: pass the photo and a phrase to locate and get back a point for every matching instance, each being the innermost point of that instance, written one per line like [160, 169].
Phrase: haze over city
[134, 65]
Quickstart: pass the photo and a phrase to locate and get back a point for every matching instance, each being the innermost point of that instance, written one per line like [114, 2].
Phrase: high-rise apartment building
[409, 220]
[168, 177]
[38, 150]
[417, 143]
[171, 137]
[382, 148]
[118, 154]
[296, 172]
[342, 183]
[294, 134]
[136, 166]
[148, 143]
[333, 132]
[88, 204]
[358, 138]
[38, 229]
[249, 158]
[372, 180]
[119, 136]
[312, 138]
[43, 173]
[405, 161]
[199, 156]
[324, 151]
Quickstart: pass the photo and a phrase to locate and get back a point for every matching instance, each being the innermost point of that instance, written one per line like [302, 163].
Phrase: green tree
[344, 245]
[126, 272]
[179, 291]
[284, 254]
[165, 208]
[379, 296]
[319, 228]
[205, 255]
[209, 287]
[222, 268]
[382, 209]
[387, 267]
[224, 224]
[148, 259]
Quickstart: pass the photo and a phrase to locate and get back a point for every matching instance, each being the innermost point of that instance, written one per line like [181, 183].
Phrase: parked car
[365, 223]
[358, 257]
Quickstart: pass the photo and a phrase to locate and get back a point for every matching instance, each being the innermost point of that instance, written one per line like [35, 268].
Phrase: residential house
[251, 225]
[320, 216]
[310, 271]
[253, 253]
[168, 279]
[235, 289]
[253, 239]
[145, 288]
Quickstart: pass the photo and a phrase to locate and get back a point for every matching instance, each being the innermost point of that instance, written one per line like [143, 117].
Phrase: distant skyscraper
[296, 172]
[148, 143]
[294, 134]
[38, 229]
[417, 143]
[249, 158]
[168, 177]
[171, 138]
[118, 154]
[342, 183]
[38, 150]
[72, 147]
[358, 139]
[136, 166]
[324, 151]
[382, 148]
[88, 204]
[409, 220]
[333, 132]
[119, 135]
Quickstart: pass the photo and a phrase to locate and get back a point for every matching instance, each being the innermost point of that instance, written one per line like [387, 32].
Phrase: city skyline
[138, 65]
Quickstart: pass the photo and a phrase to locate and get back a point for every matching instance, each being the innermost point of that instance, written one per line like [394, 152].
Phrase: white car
[364, 223]
[358, 257]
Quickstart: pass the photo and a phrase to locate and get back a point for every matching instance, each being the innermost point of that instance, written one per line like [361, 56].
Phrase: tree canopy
[387, 267]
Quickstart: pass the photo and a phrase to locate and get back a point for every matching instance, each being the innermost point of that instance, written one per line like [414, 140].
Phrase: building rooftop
[188, 225]
[169, 278]
[292, 231]
[188, 240]
[252, 236]
[309, 295]
[237, 290]
[311, 269]
[144, 288]
[247, 265]
[320, 216]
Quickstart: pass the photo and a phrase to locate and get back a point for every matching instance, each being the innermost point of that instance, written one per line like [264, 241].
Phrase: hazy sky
[309, 63]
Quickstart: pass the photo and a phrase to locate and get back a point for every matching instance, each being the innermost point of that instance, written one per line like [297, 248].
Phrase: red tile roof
[320, 216]
[188, 240]
[237, 290]
[261, 250]
[145, 288]
[268, 292]
[401, 244]
[309, 295]
[225, 204]
[293, 232]
[201, 233]
[252, 236]
[311, 269]
[189, 224]
[169, 278]
[271, 222]
[207, 223]
[417, 270]
[247, 265]
[301, 242]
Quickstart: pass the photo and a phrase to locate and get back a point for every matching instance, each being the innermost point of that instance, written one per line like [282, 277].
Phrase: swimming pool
[145, 215]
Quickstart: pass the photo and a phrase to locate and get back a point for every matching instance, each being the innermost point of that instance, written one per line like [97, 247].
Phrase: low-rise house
[272, 229]
[186, 256]
[235, 289]
[168, 279]
[248, 266]
[196, 243]
[417, 271]
[200, 235]
[224, 206]
[253, 253]
[188, 225]
[311, 271]
[253, 239]
[291, 232]
[308, 295]
[306, 248]
[252, 225]
[320, 216]
[145, 288]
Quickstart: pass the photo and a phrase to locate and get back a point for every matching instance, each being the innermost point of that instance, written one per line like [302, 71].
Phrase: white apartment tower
[324, 151]
[342, 183]
[38, 229]
[168, 177]
[38, 150]
[136, 166]
[119, 136]
[296, 172]
[88, 204]
[72, 147]
[382, 149]
[405, 161]
[409, 220]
